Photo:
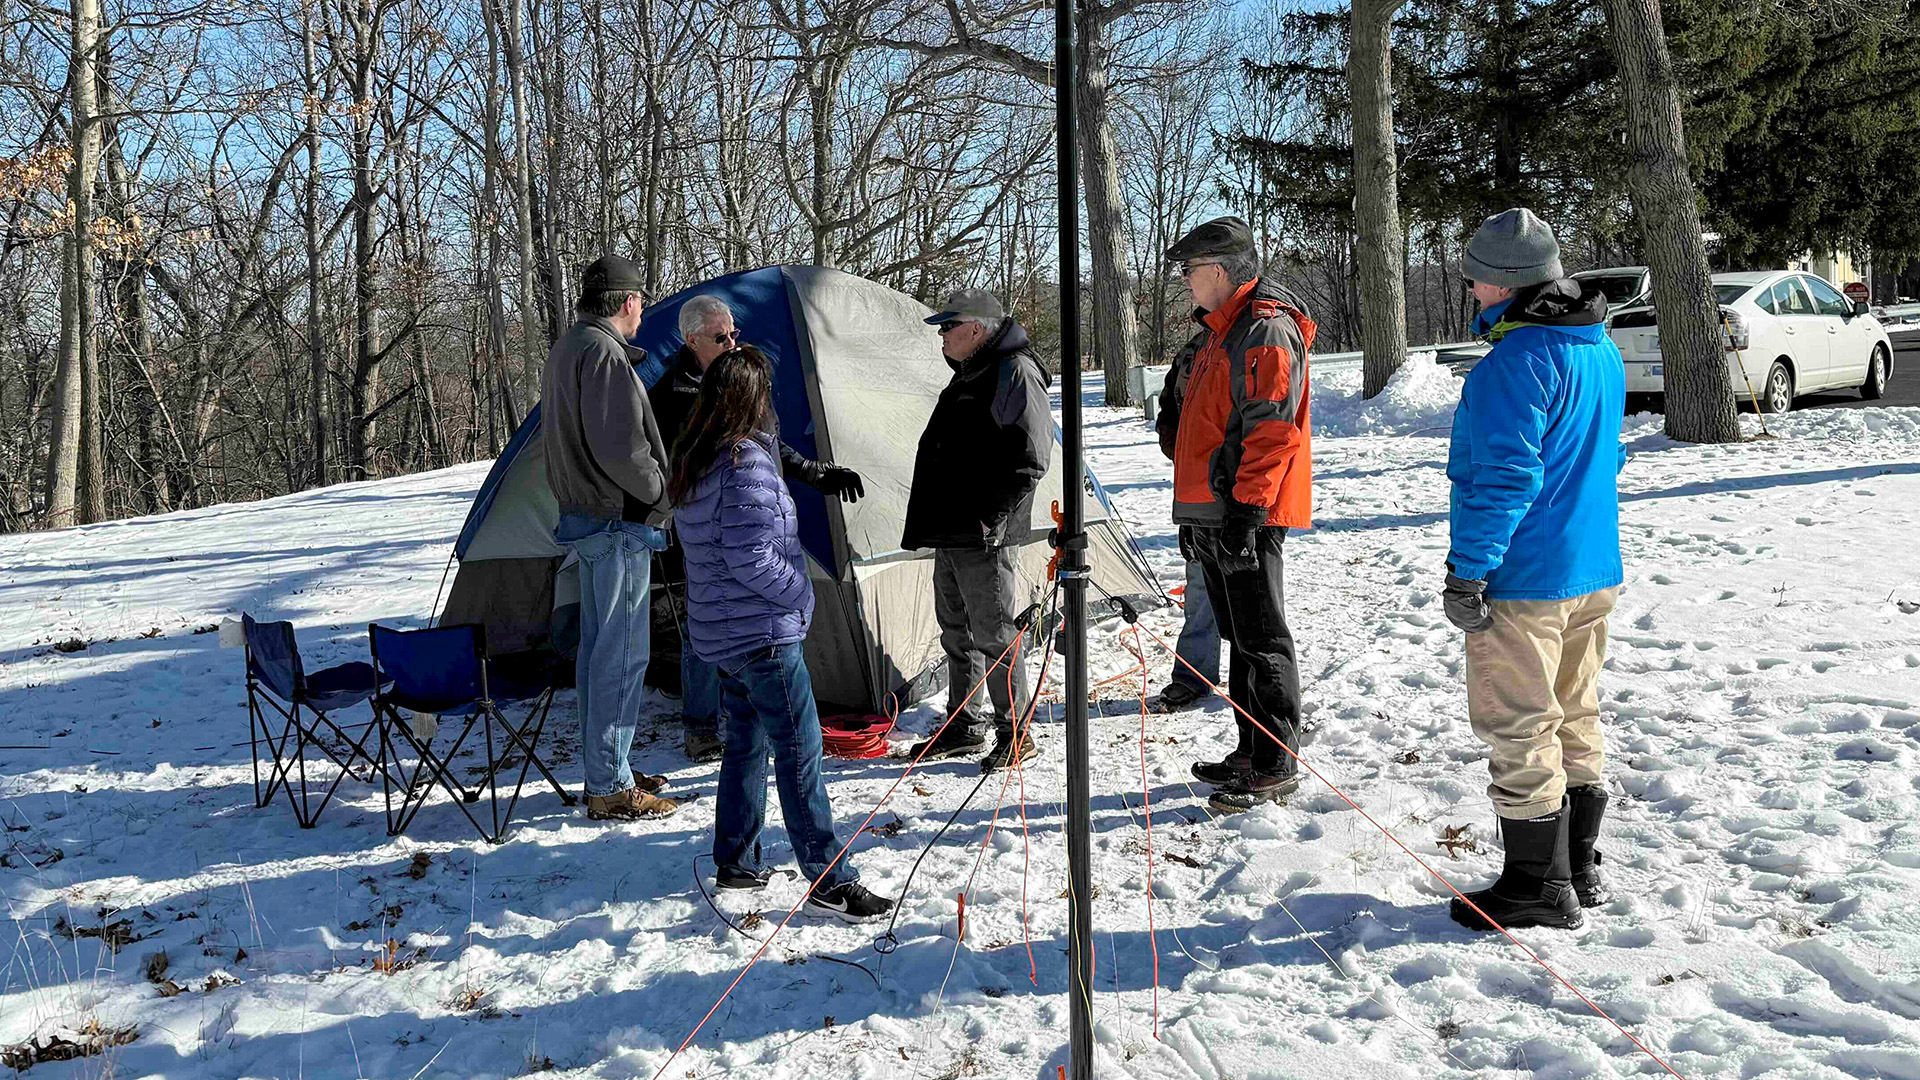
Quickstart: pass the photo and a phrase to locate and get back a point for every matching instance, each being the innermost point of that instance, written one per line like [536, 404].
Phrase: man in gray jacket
[608, 469]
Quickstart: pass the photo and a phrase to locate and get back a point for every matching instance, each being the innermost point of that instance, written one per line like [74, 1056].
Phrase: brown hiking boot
[649, 784]
[629, 805]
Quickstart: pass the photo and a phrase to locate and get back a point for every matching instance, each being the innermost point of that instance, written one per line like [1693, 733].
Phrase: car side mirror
[1861, 307]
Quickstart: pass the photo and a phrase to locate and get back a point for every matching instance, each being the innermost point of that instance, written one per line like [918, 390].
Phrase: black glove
[1240, 537]
[841, 481]
[1188, 549]
[1239, 548]
[1466, 604]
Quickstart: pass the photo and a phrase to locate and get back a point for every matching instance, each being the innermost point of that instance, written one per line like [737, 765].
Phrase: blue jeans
[767, 705]
[1199, 643]
[699, 691]
[616, 567]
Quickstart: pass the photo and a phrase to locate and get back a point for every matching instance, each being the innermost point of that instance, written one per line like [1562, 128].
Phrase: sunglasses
[949, 327]
[724, 338]
[1187, 269]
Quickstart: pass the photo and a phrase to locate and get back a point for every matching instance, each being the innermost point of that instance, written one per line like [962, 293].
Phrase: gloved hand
[1240, 537]
[1239, 547]
[841, 481]
[1466, 604]
[1188, 549]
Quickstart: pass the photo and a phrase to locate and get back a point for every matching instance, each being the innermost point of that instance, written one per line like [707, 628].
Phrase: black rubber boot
[1586, 806]
[1536, 888]
[1229, 770]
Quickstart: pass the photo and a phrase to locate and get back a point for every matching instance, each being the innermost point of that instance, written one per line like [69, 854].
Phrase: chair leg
[278, 773]
[537, 722]
[544, 708]
[528, 759]
[438, 767]
[305, 812]
[254, 726]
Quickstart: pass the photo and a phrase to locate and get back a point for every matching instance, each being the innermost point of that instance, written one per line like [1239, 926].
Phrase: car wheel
[1776, 396]
[1875, 387]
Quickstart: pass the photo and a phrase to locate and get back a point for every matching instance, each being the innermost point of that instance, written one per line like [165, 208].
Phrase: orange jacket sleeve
[1270, 411]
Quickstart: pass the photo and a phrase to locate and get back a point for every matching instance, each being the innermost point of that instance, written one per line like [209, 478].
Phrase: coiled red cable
[855, 737]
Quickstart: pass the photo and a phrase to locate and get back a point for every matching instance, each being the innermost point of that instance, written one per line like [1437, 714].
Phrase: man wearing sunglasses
[986, 448]
[707, 330]
[1242, 476]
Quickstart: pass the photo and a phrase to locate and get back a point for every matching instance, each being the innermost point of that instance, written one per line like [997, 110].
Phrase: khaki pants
[1533, 697]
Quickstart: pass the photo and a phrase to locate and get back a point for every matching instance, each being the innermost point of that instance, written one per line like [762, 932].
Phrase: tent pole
[1073, 562]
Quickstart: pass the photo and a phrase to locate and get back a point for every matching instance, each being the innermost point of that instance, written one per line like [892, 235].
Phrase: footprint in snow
[1866, 750]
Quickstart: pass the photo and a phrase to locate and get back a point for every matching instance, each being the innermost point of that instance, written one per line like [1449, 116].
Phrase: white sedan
[1791, 332]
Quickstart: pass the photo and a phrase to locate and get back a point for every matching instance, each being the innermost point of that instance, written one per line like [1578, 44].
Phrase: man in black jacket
[707, 330]
[984, 452]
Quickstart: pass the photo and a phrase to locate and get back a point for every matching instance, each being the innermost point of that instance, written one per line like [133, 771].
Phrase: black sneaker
[954, 742]
[1003, 755]
[850, 903]
[1251, 790]
[729, 880]
[1176, 696]
[1228, 770]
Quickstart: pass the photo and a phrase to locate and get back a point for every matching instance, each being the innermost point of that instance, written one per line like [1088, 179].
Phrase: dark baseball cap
[1221, 236]
[611, 273]
[970, 304]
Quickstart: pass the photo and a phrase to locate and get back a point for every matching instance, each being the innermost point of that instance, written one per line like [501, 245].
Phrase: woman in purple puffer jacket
[749, 605]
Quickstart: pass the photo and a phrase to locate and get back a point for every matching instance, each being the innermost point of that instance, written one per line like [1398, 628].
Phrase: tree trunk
[532, 357]
[822, 83]
[498, 369]
[1116, 331]
[1376, 187]
[366, 317]
[66, 448]
[1700, 405]
[135, 318]
[310, 212]
[550, 64]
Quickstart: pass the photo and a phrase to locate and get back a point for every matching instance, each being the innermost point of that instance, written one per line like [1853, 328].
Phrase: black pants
[1250, 606]
[976, 601]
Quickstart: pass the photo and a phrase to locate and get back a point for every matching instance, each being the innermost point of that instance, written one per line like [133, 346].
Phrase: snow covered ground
[1762, 703]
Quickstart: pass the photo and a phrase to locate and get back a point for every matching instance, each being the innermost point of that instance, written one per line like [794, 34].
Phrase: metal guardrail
[1147, 380]
[1898, 315]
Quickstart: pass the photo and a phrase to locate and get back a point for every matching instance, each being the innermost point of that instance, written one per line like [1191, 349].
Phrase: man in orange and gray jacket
[1242, 476]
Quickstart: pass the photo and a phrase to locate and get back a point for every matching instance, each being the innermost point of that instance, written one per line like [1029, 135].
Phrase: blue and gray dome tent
[856, 375]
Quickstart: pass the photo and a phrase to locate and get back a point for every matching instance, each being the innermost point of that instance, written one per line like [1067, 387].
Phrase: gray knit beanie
[1514, 248]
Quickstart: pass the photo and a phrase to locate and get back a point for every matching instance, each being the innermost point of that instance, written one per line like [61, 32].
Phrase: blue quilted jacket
[747, 582]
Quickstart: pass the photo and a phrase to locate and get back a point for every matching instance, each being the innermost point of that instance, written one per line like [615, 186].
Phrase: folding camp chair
[446, 672]
[277, 680]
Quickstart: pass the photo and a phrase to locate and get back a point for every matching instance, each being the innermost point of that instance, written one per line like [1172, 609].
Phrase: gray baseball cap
[1515, 249]
[971, 304]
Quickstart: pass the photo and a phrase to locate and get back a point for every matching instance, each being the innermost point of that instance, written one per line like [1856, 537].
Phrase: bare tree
[1700, 405]
[1011, 37]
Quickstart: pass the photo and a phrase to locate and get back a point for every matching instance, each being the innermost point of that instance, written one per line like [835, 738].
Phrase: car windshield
[1729, 293]
[1619, 288]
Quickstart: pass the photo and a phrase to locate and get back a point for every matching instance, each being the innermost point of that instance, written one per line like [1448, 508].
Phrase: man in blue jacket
[1533, 568]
